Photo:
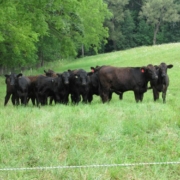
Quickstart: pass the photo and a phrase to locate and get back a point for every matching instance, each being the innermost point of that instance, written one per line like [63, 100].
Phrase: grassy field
[96, 134]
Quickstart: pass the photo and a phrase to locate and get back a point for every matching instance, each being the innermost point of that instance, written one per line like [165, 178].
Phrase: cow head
[65, 77]
[50, 73]
[82, 76]
[11, 79]
[150, 72]
[93, 76]
[163, 69]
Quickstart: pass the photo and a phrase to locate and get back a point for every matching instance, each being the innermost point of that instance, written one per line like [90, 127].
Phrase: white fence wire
[88, 166]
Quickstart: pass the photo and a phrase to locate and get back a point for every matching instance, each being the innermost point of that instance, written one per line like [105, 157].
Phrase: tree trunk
[1, 70]
[82, 49]
[155, 32]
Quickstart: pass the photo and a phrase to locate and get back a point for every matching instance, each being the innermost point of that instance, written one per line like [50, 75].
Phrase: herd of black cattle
[79, 85]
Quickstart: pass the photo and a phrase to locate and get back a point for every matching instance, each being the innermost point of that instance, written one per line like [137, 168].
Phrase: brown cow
[50, 73]
[122, 79]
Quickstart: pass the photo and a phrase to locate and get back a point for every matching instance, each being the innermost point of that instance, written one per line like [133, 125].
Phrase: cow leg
[164, 95]
[136, 95]
[44, 100]
[155, 94]
[104, 98]
[84, 97]
[141, 95]
[105, 95]
[26, 100]
[51, 100]
[121, 96]
[66, 99]
[33, 99]
[75, 98]
[23, 100]
[37, 99]
[110, 96]
[90, 98]
[15, 100]
[57, 98]
[7, 98]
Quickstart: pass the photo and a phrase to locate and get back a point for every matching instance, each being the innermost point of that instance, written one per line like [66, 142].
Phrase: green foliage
[17, 45]
[35, 32]
[127, 27]
[144, 35]
[158, 11]
[43, 30]
[117, 8]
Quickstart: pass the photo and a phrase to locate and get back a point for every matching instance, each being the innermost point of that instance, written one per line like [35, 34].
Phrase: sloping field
[118, 132]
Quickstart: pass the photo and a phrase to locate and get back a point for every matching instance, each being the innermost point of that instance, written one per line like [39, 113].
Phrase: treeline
[142, 22]
[33, 32]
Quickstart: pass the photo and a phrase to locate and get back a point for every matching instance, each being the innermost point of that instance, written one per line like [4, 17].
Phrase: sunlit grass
[113, 133]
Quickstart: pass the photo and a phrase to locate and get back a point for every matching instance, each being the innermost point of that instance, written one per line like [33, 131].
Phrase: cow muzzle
[66, 82]
[155, 77]
[163, 75]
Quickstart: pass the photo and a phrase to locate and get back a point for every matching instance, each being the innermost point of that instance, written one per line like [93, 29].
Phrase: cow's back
[120, 78]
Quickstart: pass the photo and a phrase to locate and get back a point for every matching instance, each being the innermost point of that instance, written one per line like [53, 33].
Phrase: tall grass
[112, 133]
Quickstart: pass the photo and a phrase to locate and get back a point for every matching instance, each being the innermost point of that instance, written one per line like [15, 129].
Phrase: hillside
[117, 132]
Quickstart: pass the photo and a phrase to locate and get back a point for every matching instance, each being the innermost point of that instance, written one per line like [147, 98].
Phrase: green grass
[113, 133]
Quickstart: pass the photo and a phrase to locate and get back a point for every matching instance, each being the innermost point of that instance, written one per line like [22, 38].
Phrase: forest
[38, 31]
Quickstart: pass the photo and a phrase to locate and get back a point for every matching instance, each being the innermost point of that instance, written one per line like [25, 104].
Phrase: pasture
[117, 132]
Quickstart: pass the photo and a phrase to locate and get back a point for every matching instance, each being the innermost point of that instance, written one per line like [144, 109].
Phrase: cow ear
[92, 69]
[58, 74]
[143, 69]
[45, 71]
[19, 75]
[169, 66]
[6, 75]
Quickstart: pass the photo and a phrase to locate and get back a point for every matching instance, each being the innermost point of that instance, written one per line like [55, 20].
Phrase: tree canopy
[32, 32]
[158, 11]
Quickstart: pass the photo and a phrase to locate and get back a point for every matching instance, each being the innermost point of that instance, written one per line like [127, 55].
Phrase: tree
[93, 14]
[117, 8]
[32, 31]
[17, 37]
[128, 29]
[158, 11]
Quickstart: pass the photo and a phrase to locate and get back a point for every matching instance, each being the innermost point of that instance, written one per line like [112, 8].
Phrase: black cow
[22, 84]
[162, 83]
[93, 83]
[79, 85]
[32, 88]
[10, 89]
[47, 87]
[63, 89]
[122, 79]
